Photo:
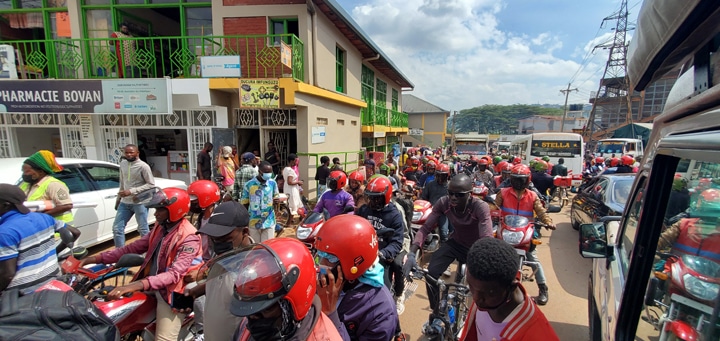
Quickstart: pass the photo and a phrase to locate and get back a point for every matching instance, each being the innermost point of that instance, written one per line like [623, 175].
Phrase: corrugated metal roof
[411, 104]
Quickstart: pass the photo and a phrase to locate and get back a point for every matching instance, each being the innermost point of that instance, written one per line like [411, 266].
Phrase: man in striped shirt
[28, 258]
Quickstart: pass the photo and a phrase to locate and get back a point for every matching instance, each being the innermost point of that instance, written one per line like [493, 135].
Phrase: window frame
[340, 69]
[95, 181]
[284, 21]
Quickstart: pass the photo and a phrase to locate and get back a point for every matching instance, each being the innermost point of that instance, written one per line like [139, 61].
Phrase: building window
[341, 122]
[381, 93]
[321, 121]
[339, 70]
[395, 99]
[368, 85]
[284, 26]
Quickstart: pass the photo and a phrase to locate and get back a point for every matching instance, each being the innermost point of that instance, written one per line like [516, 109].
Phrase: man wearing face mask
[258, 196]
[135, 178]
[227, 229]
[39, 185]
[470, 218]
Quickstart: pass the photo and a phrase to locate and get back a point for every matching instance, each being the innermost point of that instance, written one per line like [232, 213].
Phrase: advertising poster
[318, 135]
[134, 95]
[285, 54]
[260, 93]
[7, 62]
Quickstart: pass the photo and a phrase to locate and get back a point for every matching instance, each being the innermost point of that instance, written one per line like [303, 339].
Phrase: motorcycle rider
[699, 233]
[385, 170]
[560, 169]
[549, 164]
[413, 173]
[470, 218]
[519, 200]
[503, 173]
[172, 249]
[356, 188]
[482, 173]
[679, 200]
[433, 191]
[275, 293]
[351, 279]
[336, 199]
[429, 174]
[626, 164]
[542, 181]
[501, 308]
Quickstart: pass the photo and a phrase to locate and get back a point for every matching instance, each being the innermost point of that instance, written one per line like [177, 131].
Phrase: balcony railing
[376, 115]
[261, 56]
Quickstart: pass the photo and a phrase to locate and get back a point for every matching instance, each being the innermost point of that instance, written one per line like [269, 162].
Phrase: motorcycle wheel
[558, 197]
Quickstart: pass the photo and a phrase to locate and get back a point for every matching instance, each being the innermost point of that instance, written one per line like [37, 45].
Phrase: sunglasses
[457, 194]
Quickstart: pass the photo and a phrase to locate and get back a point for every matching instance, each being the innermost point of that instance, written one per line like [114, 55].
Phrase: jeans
[444, 228]
[441, 259]
[536, 266]
[320, 190]
[124, 213]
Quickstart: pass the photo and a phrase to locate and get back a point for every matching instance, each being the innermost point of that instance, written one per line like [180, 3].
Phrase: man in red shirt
[501, 308]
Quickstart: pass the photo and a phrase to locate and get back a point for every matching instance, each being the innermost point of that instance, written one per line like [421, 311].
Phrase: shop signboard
[112, 96]
[220, 66]
[416, 131]
[260, 93]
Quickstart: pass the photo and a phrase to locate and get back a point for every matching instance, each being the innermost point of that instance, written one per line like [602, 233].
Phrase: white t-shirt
[489, 330]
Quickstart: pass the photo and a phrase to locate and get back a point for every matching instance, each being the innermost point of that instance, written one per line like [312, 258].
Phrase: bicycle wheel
[557, 196]
[282, 217]
[462, 307]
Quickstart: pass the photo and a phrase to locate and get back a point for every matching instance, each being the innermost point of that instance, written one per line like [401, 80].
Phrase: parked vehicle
[685, 140]
[604, 195]
[89, 181]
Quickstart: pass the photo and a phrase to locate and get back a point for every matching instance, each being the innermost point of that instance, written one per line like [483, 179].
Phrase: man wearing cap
[258, 196]
[244, 174]
[135, 178]
[39, 185]
[27, 243]
[227, 229]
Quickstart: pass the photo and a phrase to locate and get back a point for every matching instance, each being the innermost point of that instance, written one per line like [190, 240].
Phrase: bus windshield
[556, 148]
[611, 147]
[471, 148]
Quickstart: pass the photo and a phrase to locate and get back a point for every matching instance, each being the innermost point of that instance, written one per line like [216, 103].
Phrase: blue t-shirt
[334, 203]
[31, 239]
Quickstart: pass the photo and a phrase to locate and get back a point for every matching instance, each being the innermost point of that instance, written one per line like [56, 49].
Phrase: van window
[685, 279]
[627, 239]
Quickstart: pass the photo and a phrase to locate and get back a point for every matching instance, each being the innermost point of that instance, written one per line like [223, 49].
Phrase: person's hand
[87, 260]
[124, 193]
[328, 289]
[123, 290]
[191, 276]
[300, 183]
[410, 263]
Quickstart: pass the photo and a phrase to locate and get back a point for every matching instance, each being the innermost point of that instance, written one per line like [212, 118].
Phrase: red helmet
[430, 164]
[206, 192]
[415, 162]
[520, 171]
[357, 176]
[520, 177]
[516, 160]
[442, 169]
[274, 270]
[627, 160]
[483, 161]
[352, 240]
[337, 180]
[599, 160]
[379, 187]
[501, 166]
[614, 162]
[175, 200]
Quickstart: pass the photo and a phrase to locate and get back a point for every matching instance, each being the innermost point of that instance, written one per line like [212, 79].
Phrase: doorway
[30, 140]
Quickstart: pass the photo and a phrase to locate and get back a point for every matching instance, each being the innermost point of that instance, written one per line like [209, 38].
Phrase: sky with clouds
[465, 53]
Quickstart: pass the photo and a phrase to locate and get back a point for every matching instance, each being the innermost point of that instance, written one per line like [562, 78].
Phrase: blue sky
[466, 53]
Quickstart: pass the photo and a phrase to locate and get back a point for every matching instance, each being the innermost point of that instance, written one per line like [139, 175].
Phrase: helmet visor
[154, 198]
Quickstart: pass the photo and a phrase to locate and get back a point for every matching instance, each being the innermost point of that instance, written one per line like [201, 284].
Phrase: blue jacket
[388, 217]
[425, 178]
[368, 313]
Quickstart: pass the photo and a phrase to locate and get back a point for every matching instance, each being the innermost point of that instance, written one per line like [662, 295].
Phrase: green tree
[497, 119]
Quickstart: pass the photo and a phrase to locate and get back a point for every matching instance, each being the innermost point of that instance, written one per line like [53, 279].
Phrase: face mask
[222, 247]
[28, 179]
[267, 176]
[131, 159]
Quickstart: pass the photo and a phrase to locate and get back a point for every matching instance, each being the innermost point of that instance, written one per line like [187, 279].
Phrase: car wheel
[594, 317]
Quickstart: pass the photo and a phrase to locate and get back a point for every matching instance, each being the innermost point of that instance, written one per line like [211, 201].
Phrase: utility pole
[567, 94]
[452, 136]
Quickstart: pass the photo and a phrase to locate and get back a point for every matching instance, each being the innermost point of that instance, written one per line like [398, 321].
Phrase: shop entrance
[166, 151]
[30, 140]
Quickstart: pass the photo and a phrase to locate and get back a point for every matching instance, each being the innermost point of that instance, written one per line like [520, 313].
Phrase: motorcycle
[519, 232]
[479, 189]
[421, 211]
[686, 292]
[308, 228]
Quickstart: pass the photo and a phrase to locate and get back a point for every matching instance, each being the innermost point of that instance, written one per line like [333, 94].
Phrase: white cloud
[457, 57]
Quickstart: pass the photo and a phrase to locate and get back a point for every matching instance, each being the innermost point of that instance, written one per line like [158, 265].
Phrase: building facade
[427, 123]
[300, 74]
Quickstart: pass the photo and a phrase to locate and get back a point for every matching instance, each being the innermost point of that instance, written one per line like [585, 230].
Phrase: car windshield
[621, 190]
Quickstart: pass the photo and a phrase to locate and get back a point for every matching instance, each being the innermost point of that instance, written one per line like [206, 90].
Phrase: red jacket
[529, 324]
[511, 204]
[179, 253]
[692, 241]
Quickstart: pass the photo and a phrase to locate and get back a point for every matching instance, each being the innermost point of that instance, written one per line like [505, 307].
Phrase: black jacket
[388, 217]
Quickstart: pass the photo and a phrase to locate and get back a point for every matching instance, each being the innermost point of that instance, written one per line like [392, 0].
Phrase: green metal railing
[376, 115]
[260, 56]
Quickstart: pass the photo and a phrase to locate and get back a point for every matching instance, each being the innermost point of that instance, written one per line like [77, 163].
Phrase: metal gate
[5, 143]
[281, 139]
[115, 139]
[72, 145]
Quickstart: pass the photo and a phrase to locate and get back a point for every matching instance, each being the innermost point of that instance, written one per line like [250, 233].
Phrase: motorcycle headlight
[477, 190]
[416, 216]
[701, 289]
[303, 233]
[512, 237]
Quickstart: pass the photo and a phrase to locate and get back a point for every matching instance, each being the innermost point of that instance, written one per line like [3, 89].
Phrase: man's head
[234, 149]
[349, 241]
[355, 179]
[430, 167]
[442, 174]
[247, 158]
[226, 152]
[561, 161]
[369, 168]
[12, 198]
[379, 192]
[459, 190]
[227, 227]
[265, 171]
[483, 164]
[325, 160]
[208, 147]
[492, 268]
[40, 164]
[336, 161]
[336, 181]
[520, 177]
[125, 28]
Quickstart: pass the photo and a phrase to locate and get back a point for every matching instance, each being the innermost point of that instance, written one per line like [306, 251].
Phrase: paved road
[566, 274]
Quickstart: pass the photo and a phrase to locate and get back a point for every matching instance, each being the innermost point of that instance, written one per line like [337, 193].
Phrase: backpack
[52, 315]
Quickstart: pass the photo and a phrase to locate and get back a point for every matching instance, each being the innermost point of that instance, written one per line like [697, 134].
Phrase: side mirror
[67, 238]
[554, 209]
[593, 241]
[130, 260]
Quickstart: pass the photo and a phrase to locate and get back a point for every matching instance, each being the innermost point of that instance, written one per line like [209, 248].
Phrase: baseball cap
[14, 195]
[225, 218]
[370, 162]
[247, 156]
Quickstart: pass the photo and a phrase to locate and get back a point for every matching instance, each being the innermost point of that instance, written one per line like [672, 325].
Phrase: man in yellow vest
[39, 185]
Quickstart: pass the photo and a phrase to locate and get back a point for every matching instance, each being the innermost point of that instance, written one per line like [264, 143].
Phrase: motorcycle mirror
[67, 238]
[130, 260]
[554, 209]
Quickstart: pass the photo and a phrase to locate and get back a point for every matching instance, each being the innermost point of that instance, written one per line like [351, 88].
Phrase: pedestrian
[292, 185]
[226, 168]
[39, 185]
[321, 174]
[125, 52]
[244, 174]
[336, 165]
[204, 162]
[273, 156]
[136, 181]
[27, 246]
[258, 196]
[235, 156]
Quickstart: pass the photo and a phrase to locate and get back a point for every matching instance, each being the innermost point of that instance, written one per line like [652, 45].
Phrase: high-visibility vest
[39, 193]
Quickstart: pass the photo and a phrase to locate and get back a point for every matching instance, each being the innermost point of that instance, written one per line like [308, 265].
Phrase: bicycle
[283, 216]
[560, 194]
[448, 320]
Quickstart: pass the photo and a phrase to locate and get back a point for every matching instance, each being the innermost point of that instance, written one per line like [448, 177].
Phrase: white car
[89, 181]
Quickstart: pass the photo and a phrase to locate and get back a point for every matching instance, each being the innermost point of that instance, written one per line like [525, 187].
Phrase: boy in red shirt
[501, 308]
